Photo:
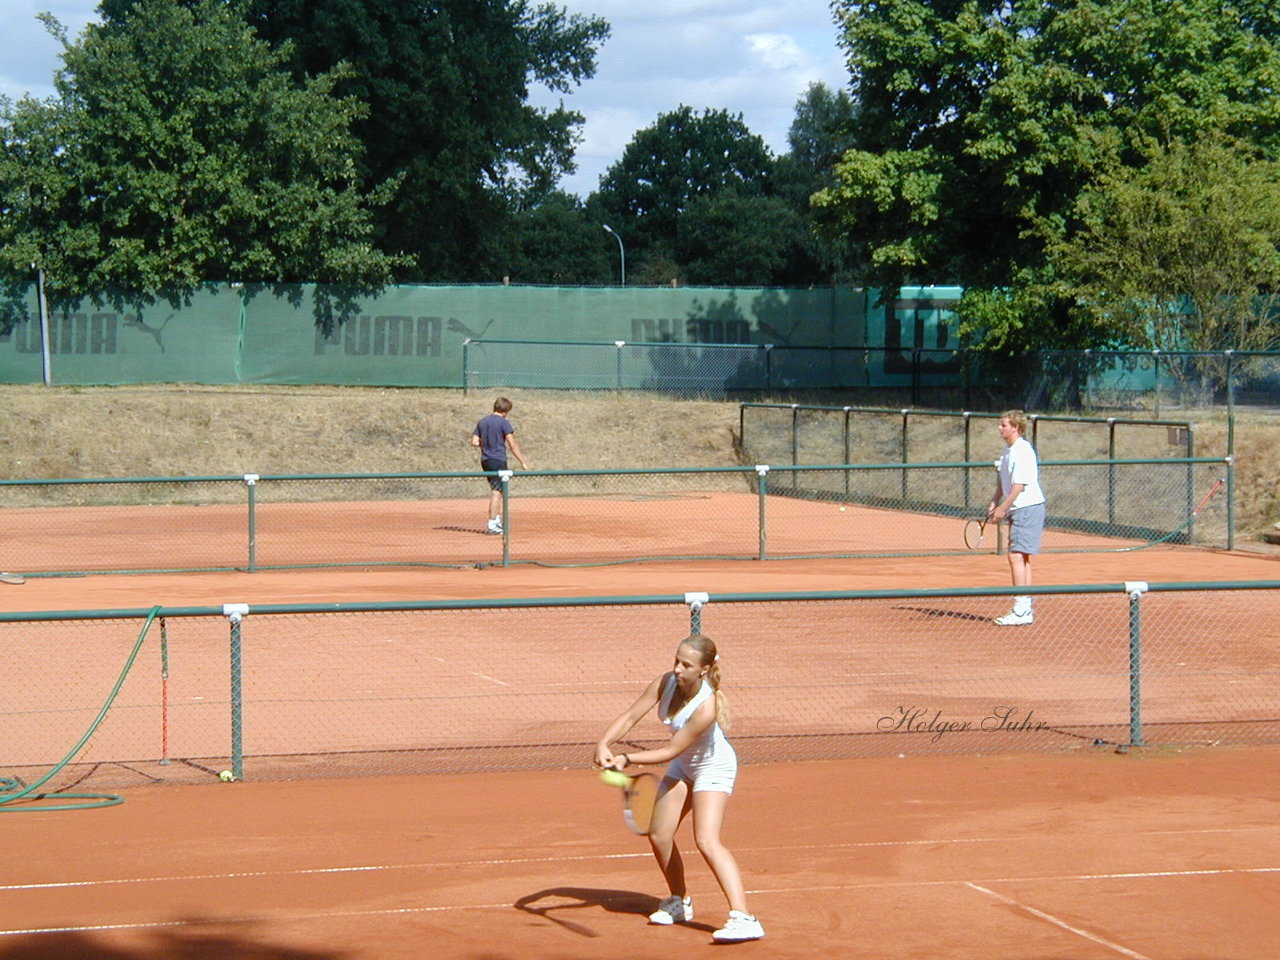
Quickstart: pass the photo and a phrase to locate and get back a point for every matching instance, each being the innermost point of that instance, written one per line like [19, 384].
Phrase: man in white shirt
[1019, 497]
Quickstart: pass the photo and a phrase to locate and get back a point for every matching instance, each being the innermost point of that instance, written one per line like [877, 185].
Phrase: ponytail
[706, 649]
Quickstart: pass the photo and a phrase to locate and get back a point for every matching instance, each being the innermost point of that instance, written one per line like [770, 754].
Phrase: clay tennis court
[1161, 853]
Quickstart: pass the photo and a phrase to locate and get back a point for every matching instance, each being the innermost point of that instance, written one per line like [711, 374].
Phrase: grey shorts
[1026, 527]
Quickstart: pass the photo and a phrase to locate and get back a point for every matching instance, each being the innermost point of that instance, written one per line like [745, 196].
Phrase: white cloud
[28, 54]
[776, 51]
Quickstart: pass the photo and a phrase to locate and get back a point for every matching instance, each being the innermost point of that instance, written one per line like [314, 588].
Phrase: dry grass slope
[177, 430]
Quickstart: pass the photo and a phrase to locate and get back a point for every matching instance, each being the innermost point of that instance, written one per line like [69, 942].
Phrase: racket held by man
[975, 532]
[639, 797]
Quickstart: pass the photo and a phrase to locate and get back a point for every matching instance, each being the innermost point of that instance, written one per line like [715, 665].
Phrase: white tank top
[712, 741]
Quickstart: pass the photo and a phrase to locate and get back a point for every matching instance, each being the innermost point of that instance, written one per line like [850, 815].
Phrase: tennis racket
[975, 531]
[639, 797]
[12, 578]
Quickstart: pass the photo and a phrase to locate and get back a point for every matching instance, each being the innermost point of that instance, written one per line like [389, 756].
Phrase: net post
[251, 482]
[236, 612]
[695, 602]
[505, 476]
[1135, 589]
[761, 470]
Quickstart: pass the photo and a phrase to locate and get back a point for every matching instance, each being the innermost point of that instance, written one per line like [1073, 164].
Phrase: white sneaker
[740, 926]
[673, 910]
[1015, 619]
[495, 525]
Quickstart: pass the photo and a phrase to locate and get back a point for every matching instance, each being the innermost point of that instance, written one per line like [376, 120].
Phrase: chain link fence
[1153, 382]
[796, 434]
[109, 699]
[587, 517]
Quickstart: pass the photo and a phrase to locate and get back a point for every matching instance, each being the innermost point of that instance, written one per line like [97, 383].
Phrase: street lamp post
[622, 251]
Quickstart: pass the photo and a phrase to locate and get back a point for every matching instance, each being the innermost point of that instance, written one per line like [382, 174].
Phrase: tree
[180, 152]
[725, 239]
[667, 166]
[446, 85]
[559, 240]
[980, 123]
[820, 134]
[1181, 252]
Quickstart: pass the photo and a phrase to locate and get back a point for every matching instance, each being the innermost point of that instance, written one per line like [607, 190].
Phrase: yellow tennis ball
[226, 776]
[842, 509]
[614, 778]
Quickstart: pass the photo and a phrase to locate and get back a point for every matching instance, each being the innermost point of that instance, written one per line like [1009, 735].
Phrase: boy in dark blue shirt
[493, 435]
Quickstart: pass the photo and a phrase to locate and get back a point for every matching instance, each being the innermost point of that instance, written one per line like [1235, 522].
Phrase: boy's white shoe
[673, 910]
[740, 926]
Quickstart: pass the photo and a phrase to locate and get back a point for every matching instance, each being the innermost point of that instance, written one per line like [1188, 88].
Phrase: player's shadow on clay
[561, 899]
[934, 612]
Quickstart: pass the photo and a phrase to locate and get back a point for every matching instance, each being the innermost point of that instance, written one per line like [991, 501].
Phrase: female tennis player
[701, 769]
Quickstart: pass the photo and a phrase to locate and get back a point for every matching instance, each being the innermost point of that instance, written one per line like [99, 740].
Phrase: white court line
[1101, 941]
[889, 884]
[313, 871]
[447, 864]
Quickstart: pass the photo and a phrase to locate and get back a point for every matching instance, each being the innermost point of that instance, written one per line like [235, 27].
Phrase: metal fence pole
[236, 612]
[1111, 470]
[505, 477]
[906, 448]
[795, 429]
[761, 470]
[1135, 590]
[695, 602]
[251, 482]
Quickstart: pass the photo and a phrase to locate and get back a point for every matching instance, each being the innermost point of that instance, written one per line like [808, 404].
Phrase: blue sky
[748, 57]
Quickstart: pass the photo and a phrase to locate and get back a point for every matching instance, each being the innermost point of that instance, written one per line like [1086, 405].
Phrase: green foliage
[980, 122]
[820, 133]
[446, 85]
[180, 152]
[667, 166]
[1180, 253]
[725, 239]
[560, 241]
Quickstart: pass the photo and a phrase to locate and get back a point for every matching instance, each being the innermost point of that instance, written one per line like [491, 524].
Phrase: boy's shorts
[487, 465]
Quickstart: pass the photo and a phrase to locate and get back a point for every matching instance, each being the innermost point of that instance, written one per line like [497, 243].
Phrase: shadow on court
[551, 902]
[168, 945]
[934, 612]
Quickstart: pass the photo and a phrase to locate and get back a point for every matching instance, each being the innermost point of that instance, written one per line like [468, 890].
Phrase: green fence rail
[590, 517]
[814, 434]
[337, 689]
